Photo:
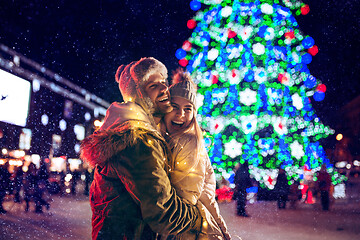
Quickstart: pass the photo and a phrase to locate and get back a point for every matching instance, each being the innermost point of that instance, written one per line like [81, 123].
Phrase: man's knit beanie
[133, 76]
[183, 86]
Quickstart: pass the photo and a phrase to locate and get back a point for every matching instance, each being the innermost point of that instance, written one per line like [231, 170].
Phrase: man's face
[157, 90]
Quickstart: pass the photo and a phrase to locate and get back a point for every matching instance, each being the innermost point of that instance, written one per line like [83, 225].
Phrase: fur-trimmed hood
[117, 132]
[133, 77]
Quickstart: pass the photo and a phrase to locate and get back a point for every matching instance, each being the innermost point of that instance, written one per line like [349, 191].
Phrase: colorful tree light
[183, 62]
[249, 59]
[195, 5]
[313, 50]
[321, 88]
[191, 24]
[187, 46]
[305, 9]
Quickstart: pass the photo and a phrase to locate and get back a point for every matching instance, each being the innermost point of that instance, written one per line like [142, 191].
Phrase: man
[4, 184]
[282, 189]
[131, 196]
[324, 185]
[242, 182]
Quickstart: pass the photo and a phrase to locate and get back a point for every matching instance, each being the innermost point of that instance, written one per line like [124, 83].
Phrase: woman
[191, 173]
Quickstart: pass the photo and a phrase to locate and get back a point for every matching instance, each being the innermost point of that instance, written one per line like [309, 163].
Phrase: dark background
[85, 41]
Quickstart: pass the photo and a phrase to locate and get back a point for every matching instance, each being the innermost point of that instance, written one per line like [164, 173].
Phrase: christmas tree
[250, 59]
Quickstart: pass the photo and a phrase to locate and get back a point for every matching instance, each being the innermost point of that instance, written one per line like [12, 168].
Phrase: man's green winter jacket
[131, 196]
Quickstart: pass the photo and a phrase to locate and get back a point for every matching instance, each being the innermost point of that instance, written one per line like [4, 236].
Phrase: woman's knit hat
[133, 76]
[183, 86]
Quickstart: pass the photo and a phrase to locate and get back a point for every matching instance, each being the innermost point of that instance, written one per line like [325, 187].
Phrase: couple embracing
[153, 178]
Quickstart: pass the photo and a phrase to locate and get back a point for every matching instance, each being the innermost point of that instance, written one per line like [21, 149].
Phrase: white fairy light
[267, 9]
[213, 54]
[297, 101]
[233, 148]
[258, 49]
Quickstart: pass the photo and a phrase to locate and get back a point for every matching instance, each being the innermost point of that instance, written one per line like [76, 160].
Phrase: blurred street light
[98, 123]
[339, 137]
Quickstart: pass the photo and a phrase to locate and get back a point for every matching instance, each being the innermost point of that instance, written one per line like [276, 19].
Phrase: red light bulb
[191, 24]
[305, 9]
[183, 62]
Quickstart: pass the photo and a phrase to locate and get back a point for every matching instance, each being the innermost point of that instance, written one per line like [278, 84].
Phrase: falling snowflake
[279, 124]
[245, 32]
[258, 49]
[297, 101]
[260, 75]
[248, 123]
[233, 148]
[297, 150]
[248, 97]
[216, 125]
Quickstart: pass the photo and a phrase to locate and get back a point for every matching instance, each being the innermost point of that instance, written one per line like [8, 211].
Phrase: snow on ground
[69, 217]
[305, 222]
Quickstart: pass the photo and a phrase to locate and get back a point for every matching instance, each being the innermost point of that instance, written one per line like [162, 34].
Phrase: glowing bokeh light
[249, 59]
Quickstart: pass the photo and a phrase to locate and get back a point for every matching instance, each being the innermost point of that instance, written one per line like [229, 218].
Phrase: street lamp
[339, 137]
[98, 123]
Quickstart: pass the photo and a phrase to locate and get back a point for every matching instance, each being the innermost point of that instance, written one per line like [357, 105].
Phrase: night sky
[85, 41]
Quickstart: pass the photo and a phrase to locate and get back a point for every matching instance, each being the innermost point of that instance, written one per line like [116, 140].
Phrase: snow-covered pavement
[305, 222]
[69, 217]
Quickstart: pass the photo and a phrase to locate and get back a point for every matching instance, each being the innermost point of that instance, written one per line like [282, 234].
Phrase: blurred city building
[346, 154]
[43, 116]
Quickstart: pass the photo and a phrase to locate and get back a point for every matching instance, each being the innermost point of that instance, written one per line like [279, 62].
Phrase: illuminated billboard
[14, 99]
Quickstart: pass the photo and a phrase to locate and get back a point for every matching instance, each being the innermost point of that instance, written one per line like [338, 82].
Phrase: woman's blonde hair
[183, 86]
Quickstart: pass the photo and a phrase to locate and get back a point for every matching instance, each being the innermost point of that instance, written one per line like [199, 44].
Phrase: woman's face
[181, 115]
